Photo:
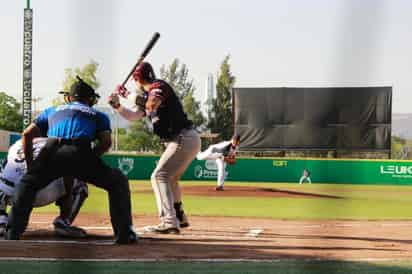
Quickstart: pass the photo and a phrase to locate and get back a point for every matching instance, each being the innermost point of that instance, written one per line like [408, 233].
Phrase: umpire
[71, 129]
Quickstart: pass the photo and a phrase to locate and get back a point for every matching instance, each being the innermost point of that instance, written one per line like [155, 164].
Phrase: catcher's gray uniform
[13, 170]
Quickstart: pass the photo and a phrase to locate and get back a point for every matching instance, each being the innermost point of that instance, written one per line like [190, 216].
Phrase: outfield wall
[355, 171]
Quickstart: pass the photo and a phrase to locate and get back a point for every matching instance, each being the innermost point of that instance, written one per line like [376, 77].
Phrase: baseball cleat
[163, 229]
[182, 218]
[219, 188]
[180, 215]
[183, 221]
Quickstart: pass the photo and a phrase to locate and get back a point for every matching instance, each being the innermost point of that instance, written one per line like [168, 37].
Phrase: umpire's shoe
[129, 238]
[11, 235]
[2, 229]
[3, 223]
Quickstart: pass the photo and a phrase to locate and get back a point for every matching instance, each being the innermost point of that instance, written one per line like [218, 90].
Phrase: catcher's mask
[81, 90]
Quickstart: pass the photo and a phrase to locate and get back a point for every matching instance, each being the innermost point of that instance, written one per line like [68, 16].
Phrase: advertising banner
[277, 170]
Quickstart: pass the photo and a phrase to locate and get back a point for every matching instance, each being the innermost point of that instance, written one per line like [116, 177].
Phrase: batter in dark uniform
[164, 111]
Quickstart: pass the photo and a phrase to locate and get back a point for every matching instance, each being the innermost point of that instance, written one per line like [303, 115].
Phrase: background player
[305, 177]
[165, 114]
[67, 195]
[223, 152]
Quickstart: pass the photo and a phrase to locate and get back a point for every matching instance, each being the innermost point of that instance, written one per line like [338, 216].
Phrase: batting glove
[122, 91]
[114, 100]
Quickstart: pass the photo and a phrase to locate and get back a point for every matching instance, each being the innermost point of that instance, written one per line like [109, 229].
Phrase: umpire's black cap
[80, 89]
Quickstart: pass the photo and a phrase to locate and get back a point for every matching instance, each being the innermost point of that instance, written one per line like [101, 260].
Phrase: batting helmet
[144, 72]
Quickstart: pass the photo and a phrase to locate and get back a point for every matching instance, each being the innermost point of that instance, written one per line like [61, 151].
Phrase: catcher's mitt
[230, 160]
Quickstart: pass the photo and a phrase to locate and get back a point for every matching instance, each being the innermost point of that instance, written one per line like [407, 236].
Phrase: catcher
[68, 196]
[223, 153]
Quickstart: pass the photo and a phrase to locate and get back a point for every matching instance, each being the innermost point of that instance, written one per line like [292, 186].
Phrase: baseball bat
[143, 55]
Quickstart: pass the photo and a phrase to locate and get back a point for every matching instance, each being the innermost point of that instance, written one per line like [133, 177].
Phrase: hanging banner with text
[27, 65]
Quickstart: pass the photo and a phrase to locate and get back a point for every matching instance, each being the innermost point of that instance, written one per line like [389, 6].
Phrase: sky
[271, 43]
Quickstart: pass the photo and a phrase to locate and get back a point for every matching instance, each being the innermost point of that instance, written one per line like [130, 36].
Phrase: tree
[87, 73]
[177, 75]
[139, 138]
[221, 111]
[192, 109]
[399, 148]
[11, 117]
[57, 101]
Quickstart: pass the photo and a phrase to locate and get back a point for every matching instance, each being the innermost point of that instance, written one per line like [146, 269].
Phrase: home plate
[254, 232]
[146, 229]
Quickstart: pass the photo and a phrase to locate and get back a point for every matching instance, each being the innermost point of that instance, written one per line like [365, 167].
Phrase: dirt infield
[212, 238]
[222, 238]
[244, 191]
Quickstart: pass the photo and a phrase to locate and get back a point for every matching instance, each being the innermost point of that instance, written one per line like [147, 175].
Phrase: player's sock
[180, 215]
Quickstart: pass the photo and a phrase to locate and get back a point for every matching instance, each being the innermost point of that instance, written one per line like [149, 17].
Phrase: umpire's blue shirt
[73, 120]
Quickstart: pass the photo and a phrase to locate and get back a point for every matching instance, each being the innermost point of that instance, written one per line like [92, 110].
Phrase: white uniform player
[13, 170]
[305, 177]
[221, 152]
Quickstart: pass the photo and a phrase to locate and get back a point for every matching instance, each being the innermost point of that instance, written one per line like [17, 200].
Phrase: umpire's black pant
[75, 158]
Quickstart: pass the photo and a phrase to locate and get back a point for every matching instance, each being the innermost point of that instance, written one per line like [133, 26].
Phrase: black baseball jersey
[169, 118]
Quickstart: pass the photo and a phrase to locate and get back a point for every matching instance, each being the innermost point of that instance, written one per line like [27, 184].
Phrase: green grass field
[352, 202]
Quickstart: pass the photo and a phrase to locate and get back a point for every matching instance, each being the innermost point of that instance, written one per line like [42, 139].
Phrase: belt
[174, 136]
[7, 182]
[75, 141]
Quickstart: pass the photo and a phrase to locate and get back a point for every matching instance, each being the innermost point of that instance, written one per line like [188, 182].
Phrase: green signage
[340, 171]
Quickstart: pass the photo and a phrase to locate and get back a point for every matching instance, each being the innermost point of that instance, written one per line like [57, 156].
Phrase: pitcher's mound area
[243, 191]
